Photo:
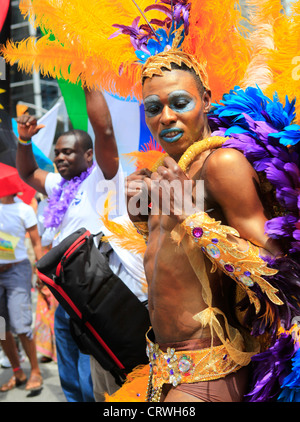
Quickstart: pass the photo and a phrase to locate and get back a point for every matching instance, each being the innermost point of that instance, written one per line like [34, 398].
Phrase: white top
[46, 234]
[127, 265]
[15, 219]
[85, 210]
[88, 204]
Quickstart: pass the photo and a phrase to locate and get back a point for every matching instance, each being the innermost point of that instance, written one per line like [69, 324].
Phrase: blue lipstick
[177, 134]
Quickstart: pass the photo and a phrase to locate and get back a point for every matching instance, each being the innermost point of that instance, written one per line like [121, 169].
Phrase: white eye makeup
[179, 101]
[153, 106]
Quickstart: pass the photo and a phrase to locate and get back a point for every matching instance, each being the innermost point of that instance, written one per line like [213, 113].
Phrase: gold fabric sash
[187, 366]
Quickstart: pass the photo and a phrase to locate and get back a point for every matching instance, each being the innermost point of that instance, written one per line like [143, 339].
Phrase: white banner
[44, 139]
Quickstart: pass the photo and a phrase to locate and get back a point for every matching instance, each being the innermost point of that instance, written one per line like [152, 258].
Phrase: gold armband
[245, 267]
[142, 228]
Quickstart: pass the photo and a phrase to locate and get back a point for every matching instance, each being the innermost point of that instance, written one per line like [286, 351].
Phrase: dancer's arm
[25, 160]
[106, 150]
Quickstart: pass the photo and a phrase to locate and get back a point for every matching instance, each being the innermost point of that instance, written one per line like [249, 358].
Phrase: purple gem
[171, 372]
[247, 273]
[154, 356]
[197, 232]
[214, 240]
[229, 268]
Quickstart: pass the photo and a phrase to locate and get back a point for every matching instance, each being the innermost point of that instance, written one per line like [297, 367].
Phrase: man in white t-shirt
[86, 207]
[17, 219]
[80, 205]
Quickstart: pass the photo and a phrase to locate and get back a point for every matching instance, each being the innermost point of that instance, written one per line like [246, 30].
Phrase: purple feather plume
[270, 369]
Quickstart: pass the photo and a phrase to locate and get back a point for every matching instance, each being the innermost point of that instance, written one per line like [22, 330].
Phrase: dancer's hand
[28, 127]
[137, 195]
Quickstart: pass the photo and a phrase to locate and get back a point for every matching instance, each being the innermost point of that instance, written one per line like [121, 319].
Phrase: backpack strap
[106, 248]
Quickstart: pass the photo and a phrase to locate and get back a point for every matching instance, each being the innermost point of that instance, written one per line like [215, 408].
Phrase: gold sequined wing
[245, 267]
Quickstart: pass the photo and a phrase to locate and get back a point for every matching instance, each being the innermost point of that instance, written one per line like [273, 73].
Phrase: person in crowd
[46, 303]
[17, 219]
[76, 195]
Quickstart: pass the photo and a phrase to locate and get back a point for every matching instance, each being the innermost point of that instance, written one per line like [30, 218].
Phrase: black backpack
[107, 320]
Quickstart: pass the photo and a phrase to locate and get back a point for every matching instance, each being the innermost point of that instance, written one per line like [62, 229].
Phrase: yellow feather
[123, 235]
[218, 36]
[264, 11]
[258, 72]
[144, 159]
[284, 60]
[135, 387]
[84, 30]
[263, 15]
[274, 50]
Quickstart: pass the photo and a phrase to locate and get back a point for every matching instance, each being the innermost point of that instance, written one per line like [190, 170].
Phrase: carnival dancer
[201, 345]
[184, 300]
[76, 198]
[223, 283]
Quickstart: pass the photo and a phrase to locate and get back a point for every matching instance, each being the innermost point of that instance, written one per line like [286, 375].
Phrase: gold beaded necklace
[194, 150]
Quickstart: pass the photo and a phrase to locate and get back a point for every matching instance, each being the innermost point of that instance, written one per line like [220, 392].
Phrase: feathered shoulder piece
[264, 130]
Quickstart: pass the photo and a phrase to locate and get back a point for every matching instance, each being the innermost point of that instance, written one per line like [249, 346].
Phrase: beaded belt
[185, 367]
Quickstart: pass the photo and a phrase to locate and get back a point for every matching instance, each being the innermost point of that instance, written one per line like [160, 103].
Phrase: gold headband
[154, 65]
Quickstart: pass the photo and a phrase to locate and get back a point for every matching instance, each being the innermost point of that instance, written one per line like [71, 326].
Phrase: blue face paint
[181, 101]
[171, 135]
[153, 106]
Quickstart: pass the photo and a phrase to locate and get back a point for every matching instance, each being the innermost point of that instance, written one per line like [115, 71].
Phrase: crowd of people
[74, 155]
[222, 293]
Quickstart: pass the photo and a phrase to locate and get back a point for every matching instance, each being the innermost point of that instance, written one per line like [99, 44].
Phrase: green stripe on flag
[74, 98]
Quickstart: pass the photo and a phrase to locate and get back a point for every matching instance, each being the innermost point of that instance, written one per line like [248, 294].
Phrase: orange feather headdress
[105, 44]
[80, 40]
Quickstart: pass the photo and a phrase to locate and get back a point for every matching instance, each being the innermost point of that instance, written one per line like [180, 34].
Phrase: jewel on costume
[197, 232]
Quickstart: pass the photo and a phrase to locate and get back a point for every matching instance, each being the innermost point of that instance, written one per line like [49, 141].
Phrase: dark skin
[71, 158]
[231, 190]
